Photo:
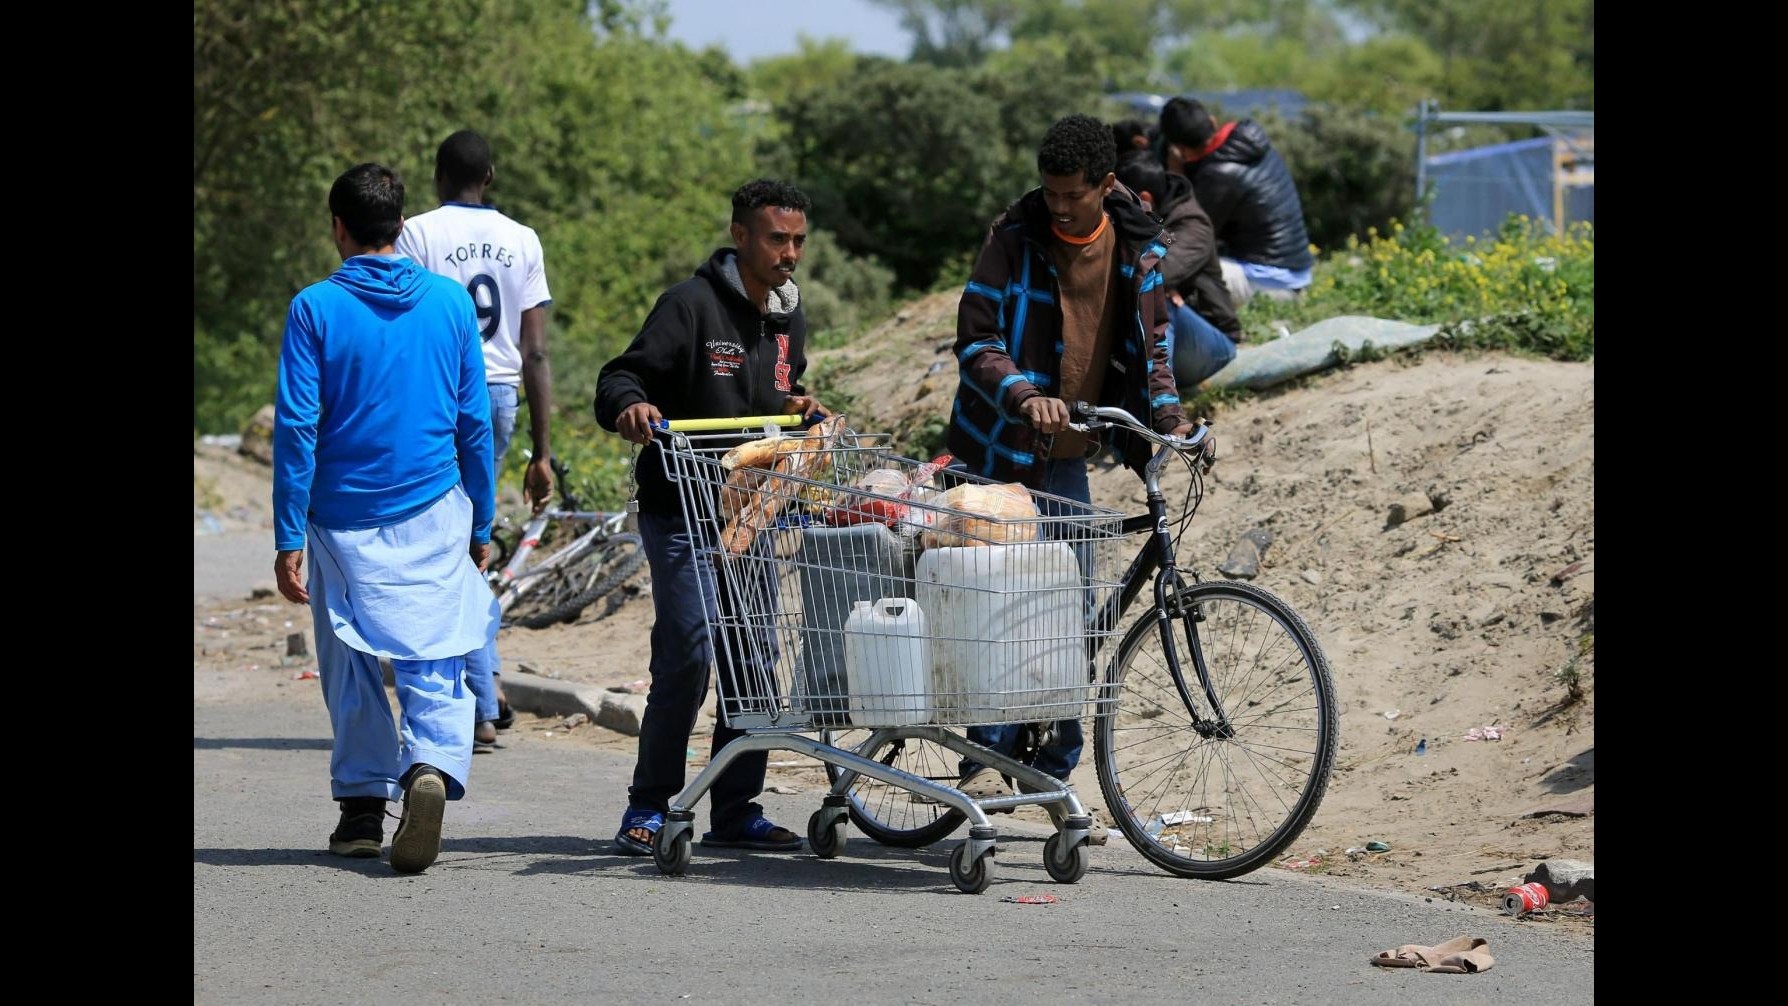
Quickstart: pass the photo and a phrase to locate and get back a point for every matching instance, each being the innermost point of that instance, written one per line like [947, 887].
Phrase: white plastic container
[887, 663]
[1008, 632]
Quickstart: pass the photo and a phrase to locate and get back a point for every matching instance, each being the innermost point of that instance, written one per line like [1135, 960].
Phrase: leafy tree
[954, 33]
[1388, 73]
[1226, 61]
[1034, 83]
[620, 150]
[285, 96]
[816, 64]
[1502, 54]
[901, 161]
[1118, 42]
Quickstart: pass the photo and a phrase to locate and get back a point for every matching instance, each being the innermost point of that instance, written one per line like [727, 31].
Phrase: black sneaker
[362, 828]
[417, 840]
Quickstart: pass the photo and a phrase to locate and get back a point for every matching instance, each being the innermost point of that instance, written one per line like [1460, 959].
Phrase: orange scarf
[1104, 222]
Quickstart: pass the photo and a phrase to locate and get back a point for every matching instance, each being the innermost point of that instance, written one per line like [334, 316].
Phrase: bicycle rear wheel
[589, 572]
[889, 814]
[1216, 794]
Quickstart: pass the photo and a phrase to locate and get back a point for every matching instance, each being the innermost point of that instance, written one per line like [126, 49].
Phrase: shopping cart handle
[741, 423]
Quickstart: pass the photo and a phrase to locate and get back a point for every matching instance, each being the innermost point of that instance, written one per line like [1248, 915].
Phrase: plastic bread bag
[882, 496]
[878, 499]
[976, 514]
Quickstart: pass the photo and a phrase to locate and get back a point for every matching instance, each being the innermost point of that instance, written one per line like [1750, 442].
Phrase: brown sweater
[1087, 274]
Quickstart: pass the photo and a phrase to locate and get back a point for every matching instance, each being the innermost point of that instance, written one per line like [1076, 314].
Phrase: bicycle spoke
[1252, 785]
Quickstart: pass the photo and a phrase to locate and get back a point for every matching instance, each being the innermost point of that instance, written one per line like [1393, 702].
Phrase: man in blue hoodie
[382, 466]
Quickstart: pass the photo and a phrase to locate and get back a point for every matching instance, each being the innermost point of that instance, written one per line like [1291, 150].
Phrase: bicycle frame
[511, 582]
[1156, 559]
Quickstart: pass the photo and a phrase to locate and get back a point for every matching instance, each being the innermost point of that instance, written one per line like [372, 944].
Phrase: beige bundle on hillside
[1002, 515]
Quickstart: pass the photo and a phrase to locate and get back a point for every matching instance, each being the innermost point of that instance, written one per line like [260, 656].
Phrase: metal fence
[1549, 178]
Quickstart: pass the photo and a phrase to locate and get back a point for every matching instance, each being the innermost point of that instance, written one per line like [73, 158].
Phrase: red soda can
[1526, 898]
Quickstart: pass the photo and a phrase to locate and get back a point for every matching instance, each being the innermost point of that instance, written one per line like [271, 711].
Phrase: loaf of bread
[759, 453]
[984, 515]
[757, 506]
[741, 487]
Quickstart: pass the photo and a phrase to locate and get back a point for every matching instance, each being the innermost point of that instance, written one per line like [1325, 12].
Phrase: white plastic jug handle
[895, 606]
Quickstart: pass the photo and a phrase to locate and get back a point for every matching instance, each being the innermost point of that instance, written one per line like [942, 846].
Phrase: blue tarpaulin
[1476, 190]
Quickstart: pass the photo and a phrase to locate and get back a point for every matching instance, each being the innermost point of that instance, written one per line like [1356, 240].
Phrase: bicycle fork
[1169, 609]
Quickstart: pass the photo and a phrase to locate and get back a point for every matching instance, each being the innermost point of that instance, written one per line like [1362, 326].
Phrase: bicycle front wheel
[889, 814]
[1217, 789]
[590, 572]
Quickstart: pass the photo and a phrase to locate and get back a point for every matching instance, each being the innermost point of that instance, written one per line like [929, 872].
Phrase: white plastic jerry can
[887, 663]
[1009, 631]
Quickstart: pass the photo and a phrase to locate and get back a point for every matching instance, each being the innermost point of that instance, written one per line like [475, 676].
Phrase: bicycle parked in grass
[1215, 734]
[536, 589]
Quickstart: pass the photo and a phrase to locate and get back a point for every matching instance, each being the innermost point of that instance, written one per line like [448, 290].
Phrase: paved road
[528, 904]
[231, 563]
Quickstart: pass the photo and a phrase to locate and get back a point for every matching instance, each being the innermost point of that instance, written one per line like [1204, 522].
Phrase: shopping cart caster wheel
[1064, 869]
[825, 834]
[671, 852]
[971, 878]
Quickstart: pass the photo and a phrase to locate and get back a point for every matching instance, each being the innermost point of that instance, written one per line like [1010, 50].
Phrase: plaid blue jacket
[1009, 340]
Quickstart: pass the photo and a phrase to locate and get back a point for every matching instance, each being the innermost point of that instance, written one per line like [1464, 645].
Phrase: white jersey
[500, 264]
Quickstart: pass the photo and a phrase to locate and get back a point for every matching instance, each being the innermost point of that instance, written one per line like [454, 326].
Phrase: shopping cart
[847, 586]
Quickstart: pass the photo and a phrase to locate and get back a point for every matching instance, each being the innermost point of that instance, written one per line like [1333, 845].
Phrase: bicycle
[1209, 774]
[573, 577]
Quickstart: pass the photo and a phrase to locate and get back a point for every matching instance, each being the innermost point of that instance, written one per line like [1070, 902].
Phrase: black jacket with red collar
[1252, 200]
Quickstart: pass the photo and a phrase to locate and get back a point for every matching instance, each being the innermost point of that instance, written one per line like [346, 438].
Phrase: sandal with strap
[757, 833]
[641, 820]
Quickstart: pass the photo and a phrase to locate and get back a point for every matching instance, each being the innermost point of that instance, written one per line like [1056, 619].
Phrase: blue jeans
[1065, 477]
[683, 649]
[1198, 349]
[505, 402]
[1245, 279]
[483, 666]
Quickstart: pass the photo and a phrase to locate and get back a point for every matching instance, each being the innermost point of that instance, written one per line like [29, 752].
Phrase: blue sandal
[757, 833]
[645, 820]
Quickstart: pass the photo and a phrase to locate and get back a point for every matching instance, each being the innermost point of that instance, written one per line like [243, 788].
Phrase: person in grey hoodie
[1203, 330]
[728, 342]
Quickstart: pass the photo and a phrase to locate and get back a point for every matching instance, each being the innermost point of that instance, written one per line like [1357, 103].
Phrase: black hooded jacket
[1253, 203]
[705, 352]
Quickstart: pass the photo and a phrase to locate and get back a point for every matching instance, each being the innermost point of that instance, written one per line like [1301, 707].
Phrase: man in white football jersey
[502, 267]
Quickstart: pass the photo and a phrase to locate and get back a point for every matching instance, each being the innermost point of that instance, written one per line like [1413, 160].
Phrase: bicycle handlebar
[1101, 416]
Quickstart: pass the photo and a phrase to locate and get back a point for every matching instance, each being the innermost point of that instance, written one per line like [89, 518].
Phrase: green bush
[841, 293]
[600, 463]
[1526, 290]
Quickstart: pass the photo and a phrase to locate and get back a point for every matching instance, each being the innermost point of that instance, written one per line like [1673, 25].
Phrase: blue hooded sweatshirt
[381, 407]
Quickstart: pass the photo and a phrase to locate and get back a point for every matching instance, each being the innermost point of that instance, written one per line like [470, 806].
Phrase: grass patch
[1524, 290]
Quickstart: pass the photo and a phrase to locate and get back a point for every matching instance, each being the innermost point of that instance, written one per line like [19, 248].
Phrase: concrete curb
[531, 693]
